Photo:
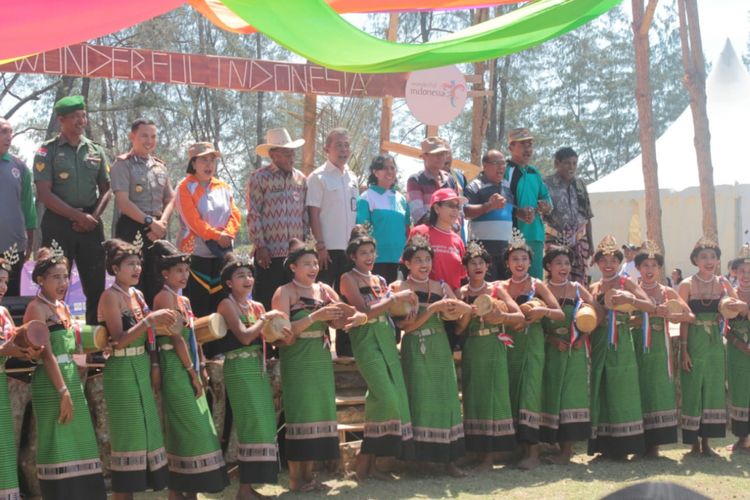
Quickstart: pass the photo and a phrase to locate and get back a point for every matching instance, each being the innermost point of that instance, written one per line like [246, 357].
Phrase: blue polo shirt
[496, 226]
[388, 213]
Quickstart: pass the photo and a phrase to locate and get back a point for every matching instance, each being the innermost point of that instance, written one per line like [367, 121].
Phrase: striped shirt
[276, 208]
[496, 225]
[419, 189]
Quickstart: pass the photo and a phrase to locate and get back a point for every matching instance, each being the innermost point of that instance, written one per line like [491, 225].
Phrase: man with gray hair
[332, 192]
[19, 212]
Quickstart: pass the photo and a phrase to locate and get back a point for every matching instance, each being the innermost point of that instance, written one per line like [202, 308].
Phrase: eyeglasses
[454, 206]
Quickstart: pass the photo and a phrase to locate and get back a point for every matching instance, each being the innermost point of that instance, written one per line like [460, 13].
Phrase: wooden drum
[586, 319]
[400, 308]
[627, 308]
[726, 308]
[273, 329]
[210, 328]
[674, 307]
[175, 329]
[532, 304]
[486, 305]
[33, 334]
[93, 337]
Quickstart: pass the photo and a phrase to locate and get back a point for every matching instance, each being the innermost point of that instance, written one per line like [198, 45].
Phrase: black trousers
[332, 275]
[204, 285]
[151, 281]
[498, 270]
[14, 277]
[85, 249]
[387, 270]
[267, 280]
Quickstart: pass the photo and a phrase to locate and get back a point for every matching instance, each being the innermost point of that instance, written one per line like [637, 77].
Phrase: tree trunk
[695, 82]
[309, 133]
[641, 23]
[503, 79]
[491, 135]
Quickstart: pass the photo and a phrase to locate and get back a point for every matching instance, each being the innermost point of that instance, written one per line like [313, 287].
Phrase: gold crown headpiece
[706, 242]
[475, 249]
[11, 257]
[608, 245]
[57, 252]
[651, 248]
[744, 254]
[517, 240]
[137, 245]
[419, 240]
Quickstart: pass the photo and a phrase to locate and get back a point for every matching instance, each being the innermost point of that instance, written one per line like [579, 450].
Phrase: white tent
[618, 199]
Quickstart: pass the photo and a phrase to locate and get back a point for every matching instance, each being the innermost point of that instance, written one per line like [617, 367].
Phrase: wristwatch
[148, 220]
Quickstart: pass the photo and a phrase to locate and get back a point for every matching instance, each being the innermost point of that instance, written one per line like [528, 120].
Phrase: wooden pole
[308, 133]
[386, 113]
[695, 82]
[431, 130]
[478, 115]
[643, 95]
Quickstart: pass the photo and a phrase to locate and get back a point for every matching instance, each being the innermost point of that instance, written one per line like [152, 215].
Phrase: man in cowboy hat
[71, 173]
[420, 186]
[275, 211]
[530, 194]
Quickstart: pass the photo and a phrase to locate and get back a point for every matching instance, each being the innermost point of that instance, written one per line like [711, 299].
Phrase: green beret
[69, 104]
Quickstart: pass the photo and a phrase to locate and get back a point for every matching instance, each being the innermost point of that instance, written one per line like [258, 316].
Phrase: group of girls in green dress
[529, 374]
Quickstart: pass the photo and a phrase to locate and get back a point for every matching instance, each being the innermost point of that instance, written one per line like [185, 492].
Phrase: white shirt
[630, 269]
[335, 192]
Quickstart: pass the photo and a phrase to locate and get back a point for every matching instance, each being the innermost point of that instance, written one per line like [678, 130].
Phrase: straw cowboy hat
[277, 138]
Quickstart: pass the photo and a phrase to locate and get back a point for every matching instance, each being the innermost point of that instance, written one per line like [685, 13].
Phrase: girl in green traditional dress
[8, 466]
[616, 415]
[388, 430]
[138, 459]
[738, 357]
[427, 362]
[703, 373]
[526, 359]
[566, 415]
[67, 459]
[488, 417]
[196, 463]
[245, 377]
[307, 383]
[653, 352]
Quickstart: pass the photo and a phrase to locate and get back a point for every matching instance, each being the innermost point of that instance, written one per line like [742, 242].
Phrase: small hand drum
[273, 329]
[586, 318]
[175, 329]
[532, 304]
[210, 328]
[93, 337]
[726, 309]
[674, 307]
[400, 308]
[487, 304]
[627, 307]
[347, 312]
[33, 334]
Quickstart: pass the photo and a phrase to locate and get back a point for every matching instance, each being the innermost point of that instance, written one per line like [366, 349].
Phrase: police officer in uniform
[71, 173]
[143, 196]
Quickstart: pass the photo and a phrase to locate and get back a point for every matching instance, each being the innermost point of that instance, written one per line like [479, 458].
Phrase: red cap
[446, 194]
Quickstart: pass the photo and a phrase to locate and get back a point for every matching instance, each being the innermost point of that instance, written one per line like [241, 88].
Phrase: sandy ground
[725, 477]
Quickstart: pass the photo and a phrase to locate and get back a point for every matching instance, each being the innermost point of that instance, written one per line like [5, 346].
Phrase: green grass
[724, 477]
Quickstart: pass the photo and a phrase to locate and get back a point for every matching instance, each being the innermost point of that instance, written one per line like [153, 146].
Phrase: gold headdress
[137, 245]
[706, 242]
[651, 248]
[475, 249]
[11, 258]
[744, 254]
[419, 240]
[517, 240]
[57, 254]
[608, 245]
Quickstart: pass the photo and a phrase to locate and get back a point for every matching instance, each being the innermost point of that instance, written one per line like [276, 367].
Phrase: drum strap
[135, 294]
[574, 334]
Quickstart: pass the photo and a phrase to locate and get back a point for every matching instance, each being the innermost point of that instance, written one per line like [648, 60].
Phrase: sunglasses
[454, 205]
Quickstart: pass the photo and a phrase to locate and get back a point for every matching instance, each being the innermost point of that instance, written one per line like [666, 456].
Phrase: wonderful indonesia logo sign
[436, 96]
